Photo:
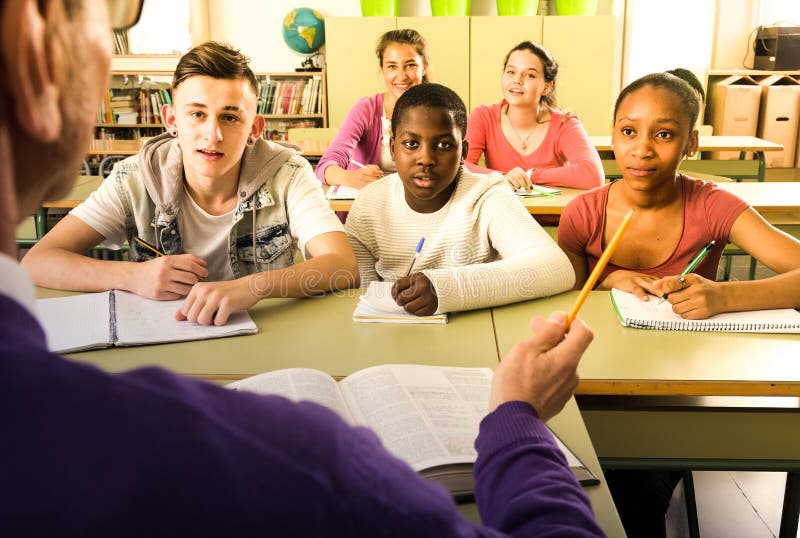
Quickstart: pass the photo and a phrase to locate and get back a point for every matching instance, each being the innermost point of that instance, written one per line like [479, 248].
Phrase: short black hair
[676, 85]
[431, 95]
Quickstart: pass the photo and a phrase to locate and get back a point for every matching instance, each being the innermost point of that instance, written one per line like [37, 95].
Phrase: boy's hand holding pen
[165, 277]
[415, 292]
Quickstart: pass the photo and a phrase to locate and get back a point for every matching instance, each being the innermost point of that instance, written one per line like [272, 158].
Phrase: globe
[304, 30]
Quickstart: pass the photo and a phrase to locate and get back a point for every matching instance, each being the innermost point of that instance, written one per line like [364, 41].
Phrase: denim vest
[275, 248]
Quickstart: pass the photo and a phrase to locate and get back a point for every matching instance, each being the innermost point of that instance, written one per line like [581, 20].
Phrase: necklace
[523, 141]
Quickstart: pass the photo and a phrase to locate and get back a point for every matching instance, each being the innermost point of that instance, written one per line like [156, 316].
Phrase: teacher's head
[403, 58]
[529, 76]
[213, 115]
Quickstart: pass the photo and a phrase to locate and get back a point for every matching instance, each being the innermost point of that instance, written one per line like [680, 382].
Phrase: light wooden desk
[319, 333]
[664, 398]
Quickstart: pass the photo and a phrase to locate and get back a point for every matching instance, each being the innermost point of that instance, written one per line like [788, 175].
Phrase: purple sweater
[149, 453]
[359, 138]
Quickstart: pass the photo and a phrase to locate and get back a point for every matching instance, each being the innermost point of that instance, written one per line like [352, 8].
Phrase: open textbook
[633, 312]
[118, 318]
[428, 416]
[378, 306]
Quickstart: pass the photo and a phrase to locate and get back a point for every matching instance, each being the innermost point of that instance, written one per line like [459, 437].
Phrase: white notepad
[537, 190]
[341, 192]
[633, 312]
[118, 318]
[378, 306]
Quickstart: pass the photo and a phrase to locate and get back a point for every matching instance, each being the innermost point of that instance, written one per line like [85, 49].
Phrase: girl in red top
[676, 216]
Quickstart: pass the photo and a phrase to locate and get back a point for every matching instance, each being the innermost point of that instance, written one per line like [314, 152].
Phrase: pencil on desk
[601, 264]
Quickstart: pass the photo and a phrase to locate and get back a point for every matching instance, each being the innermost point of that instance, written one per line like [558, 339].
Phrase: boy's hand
[542, 370]
[416, 295]
[213, 302]
[167, 277]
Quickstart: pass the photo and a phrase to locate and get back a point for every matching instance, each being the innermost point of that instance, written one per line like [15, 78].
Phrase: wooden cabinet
[467, 55]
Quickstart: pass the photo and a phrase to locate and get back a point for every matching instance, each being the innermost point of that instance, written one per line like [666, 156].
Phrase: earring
[251, 140]
[173, 133]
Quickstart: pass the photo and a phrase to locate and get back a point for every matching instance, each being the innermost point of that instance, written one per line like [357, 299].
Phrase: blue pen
[416, 254]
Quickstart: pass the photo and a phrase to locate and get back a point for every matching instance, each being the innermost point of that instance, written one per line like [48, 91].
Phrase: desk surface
[709, 143]
[626, 361]
[319, 333]
[315, 333]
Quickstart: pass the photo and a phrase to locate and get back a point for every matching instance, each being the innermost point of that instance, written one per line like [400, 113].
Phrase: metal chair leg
[691, 505]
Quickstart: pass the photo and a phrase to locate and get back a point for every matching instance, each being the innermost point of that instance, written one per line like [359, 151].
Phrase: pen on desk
[601, 264]
[416, 254]
[148, 246]
[692, 264]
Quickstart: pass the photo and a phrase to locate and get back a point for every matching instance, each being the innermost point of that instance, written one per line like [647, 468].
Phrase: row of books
[128, 107]
[130, 133]
[121, 42]
[282, 96]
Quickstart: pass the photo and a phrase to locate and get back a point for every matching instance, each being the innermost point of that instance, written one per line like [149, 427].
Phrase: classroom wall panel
[588, 76]
[448, 45]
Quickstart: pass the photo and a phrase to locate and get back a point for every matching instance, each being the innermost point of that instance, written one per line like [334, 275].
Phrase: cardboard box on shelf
[779, 117]
[733, 106]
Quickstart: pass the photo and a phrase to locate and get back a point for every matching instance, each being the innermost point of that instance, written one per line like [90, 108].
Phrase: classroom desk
[682, 400]
[319, 333]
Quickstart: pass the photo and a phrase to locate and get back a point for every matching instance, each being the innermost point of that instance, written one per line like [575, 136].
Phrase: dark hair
[690, 78]
[215, 60]
[404, 36]
[679, 87]
[549, 65]
[433, 96]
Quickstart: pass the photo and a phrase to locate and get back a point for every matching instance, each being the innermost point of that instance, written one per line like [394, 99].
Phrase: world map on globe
[304, 30]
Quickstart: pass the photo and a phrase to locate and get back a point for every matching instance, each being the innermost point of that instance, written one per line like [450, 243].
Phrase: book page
[147, 321]
[75, 323]
[424, 415]
[298, 384]
[633, 312]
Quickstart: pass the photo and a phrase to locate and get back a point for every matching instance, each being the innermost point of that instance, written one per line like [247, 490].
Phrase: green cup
[450, 8]
[576, 7]
[517, 7]
[379, 8]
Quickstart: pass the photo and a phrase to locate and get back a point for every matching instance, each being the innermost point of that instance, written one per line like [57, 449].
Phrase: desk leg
[41, 222]
[762, 165]
[791, 506]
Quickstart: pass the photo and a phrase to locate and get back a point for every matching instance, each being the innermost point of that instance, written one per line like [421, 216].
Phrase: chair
[84, 169]
[107, 164]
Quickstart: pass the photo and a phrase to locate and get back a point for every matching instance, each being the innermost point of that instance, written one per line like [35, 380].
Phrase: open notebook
[633, 312]
[378, 306]
[428, 416]
[341, 192]
[537, 190]
[118, 318]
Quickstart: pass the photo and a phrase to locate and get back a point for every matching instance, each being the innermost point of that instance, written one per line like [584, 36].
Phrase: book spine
[112, 317]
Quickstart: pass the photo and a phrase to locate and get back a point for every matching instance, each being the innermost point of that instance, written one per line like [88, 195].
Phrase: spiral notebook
[633, 312]
[118, 318]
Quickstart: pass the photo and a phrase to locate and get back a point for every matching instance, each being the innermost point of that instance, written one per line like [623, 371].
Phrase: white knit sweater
[481, 249]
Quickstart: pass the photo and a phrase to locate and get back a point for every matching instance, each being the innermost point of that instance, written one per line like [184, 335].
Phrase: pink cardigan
[566, 156]
[359, 138]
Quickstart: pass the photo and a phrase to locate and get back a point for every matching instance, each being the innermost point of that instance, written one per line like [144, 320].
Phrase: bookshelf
[140, 85]
[292, 100]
